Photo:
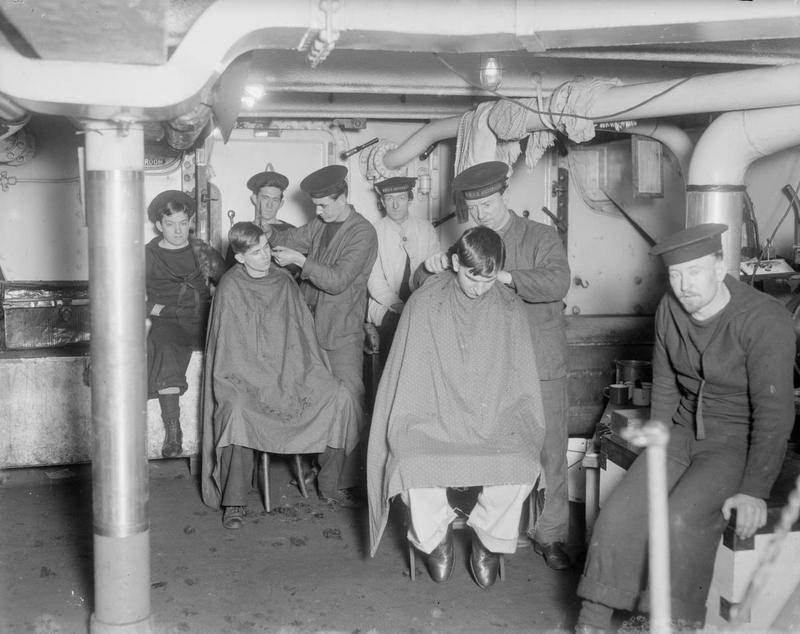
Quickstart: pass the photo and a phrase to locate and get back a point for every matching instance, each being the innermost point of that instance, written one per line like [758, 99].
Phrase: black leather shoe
[554, 555]
[441, 559]
[233, 517]
[483, 563]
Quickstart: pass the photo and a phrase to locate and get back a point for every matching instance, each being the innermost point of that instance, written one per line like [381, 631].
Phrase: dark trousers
[337, 470]
[386, 332]
[236, 465]
[701, 475]
[169, 349]
[553, 522]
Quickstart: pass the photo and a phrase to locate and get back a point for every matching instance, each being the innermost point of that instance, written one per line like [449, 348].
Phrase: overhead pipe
[11, 111]
[10, 128]
[716, 187]
[721, 92]
[183, 131]
[228, 28]
[578, 23]
[689, 56]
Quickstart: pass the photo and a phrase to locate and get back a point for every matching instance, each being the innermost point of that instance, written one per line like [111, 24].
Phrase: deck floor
[302, 568]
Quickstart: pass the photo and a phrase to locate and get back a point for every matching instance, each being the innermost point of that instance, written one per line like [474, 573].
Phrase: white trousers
[495, 517]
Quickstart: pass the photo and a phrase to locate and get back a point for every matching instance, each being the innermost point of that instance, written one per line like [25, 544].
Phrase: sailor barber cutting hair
[335, 252]
[536, 270]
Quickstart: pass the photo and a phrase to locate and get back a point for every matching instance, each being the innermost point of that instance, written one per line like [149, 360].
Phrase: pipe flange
[375, 167]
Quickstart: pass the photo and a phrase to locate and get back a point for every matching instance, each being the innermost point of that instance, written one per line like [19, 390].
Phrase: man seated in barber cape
[458, 405]
[268, 385]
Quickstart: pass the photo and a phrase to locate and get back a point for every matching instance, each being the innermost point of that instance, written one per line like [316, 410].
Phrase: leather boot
[173, 438]
[554, 555]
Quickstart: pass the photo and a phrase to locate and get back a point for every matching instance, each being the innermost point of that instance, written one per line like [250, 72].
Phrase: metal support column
[114, 203]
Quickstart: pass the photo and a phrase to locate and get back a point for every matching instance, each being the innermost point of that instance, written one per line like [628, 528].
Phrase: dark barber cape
[459, 402]
[267, 383]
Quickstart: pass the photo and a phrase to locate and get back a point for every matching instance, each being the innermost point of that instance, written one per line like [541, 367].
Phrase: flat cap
[395, 185]
[325, 181]
[690, 243]
[263, 179]
[165, 198]
[481, 180]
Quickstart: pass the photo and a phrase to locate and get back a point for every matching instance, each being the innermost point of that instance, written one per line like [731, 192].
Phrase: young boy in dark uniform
[179, 272]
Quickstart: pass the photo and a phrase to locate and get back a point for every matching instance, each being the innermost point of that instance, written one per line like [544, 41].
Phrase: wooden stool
[301, 482]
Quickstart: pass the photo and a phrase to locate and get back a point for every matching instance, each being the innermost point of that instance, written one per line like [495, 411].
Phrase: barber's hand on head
[751, 513]
[284, 256]
[437, 262]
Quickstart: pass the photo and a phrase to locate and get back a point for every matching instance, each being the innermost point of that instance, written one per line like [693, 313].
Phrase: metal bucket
[630, 371]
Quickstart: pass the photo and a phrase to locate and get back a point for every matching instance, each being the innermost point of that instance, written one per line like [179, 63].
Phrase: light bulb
[256, 91]
[491, 73]
[252, 94]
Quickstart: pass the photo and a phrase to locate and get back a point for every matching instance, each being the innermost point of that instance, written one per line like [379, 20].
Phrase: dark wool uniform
[179, 280]
[537, 262]
[726, 385]
[333, 282]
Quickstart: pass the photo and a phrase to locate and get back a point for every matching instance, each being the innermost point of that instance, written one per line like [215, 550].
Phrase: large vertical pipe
[724, 204]
[114, 188]
[715, 191]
